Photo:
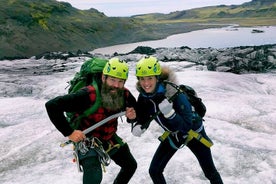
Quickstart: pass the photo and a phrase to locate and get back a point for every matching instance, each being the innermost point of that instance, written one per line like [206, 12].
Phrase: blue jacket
[147, 108]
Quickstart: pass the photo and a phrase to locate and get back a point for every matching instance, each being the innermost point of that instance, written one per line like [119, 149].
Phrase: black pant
[93, 171]
[127, 162]
[165, 152]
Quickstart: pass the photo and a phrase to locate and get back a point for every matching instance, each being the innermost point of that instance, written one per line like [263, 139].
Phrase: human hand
[166, 108]
[137, 130]
[77, 136]
[130, 113]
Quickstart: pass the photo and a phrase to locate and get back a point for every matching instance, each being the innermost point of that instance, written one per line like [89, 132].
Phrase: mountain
[32, 27]
[29, 27]
[261, 10]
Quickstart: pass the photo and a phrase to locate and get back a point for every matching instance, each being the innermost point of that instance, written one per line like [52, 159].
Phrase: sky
[240, 120]
[135, 7]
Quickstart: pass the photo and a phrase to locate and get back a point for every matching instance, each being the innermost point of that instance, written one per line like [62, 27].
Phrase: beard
[113, 101]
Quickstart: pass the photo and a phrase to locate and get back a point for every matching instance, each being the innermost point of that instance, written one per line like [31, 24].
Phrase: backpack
[195, 101]
[90, 74]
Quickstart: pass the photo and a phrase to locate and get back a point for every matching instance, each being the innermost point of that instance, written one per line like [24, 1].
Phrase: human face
[114, 83]
[148, 83]
[112, 93]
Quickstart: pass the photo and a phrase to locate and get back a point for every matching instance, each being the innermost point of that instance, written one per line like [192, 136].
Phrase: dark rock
[143, 50]
[62, 55]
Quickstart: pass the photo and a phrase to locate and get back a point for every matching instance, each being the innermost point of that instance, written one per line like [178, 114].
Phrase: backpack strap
[175, 86]
[98, 99]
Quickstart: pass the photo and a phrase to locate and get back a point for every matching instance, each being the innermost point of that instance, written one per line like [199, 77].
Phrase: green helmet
[116, 68]
[148, 66]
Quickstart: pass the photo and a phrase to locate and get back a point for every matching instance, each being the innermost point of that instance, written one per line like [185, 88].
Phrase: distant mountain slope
[255, 8]
[32, 27]
[29, 27]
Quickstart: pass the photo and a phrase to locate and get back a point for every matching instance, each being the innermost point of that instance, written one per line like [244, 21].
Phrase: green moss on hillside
[32, 27]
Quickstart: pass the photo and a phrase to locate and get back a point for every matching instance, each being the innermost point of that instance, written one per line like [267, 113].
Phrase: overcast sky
[135, 7]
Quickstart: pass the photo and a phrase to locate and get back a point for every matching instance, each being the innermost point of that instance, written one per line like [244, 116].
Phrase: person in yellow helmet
[116, 68]
[173, 112]
[114, 98]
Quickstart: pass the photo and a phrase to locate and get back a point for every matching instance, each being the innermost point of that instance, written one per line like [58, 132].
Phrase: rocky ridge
[238, 60]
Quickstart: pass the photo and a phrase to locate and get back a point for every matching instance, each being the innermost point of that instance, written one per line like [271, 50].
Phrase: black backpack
[195, 101]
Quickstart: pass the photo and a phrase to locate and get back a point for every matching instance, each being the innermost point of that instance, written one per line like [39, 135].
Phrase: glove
[166, 108]
[137, 130]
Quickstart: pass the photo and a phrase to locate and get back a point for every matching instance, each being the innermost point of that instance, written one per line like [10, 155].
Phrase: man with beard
[114, 98]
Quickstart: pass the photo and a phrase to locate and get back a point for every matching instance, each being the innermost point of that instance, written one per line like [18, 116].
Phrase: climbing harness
[97, 145]
[92, 144]
[114, 144]
[191, 135]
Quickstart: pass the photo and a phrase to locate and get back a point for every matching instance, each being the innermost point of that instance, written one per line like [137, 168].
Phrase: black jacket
[79, 102]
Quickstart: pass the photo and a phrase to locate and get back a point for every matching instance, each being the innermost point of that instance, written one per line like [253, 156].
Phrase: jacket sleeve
[182, 120]
[144, 108]
[131, 102]
[56, 107]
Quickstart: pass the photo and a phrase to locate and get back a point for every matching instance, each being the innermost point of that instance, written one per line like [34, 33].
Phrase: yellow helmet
[148, 66]
[116, 68]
